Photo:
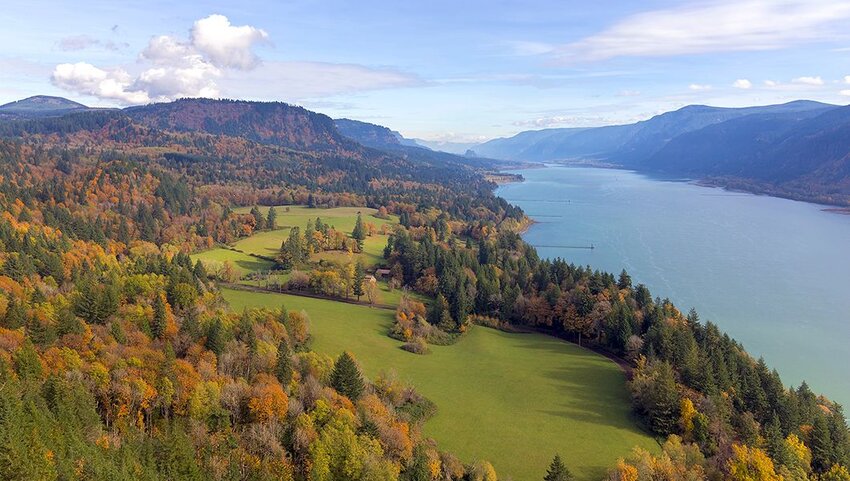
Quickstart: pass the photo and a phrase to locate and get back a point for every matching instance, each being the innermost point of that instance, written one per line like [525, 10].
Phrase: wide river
[773, 273]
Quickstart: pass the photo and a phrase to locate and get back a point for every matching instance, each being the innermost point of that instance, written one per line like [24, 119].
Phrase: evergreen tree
[259, 221]
[359, 277]
[283, 366]
[271, 219]
[823, 456]
[625, 280]
[359, 232]
[557, 471]
[346, 377]
[159, 320]
[215, 337]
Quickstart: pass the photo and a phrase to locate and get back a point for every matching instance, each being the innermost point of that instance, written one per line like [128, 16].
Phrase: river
[771, 272]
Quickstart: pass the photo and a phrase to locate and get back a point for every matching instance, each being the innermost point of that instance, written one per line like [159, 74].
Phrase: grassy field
[242, 262]
[513, 399]
[341, 218]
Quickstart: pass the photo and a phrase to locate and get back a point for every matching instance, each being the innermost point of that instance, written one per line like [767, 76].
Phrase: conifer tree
[159, 318]
[346, 377]
[557, 471]
[359, 232]
[359, 277]
[271, 219]
[215, 337]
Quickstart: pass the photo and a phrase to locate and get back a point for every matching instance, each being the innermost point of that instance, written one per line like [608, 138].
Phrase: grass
[268, 243]
[513, 399]
[243, 263]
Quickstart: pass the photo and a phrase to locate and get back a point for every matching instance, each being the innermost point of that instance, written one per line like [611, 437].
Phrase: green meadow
[513, 399]
[341, 218]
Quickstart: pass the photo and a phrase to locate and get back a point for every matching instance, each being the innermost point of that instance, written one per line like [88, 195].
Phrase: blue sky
[439, 70]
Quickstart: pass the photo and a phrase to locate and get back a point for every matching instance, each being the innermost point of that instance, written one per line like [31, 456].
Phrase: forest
[119, 358]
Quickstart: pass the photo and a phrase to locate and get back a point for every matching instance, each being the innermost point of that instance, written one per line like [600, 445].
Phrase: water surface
[771, 272]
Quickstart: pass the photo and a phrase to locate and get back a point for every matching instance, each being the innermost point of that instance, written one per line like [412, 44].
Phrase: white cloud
[217, 58]
[628, 93]
[742, 83]
[771, 83]
[845, 93]
[86, 79]
[714, 26]
[225, 45]
[808, 81]
[699, 87]
[847, 79]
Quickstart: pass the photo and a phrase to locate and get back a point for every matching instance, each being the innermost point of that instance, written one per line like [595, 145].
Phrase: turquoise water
[771, 272]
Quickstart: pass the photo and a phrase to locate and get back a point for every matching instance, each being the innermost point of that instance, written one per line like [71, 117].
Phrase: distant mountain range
[799, 149]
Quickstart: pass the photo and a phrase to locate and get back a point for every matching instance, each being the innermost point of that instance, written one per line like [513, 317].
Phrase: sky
[458, 71]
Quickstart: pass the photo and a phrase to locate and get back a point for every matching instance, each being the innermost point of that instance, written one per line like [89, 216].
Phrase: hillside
[39, 106]
[797, 150]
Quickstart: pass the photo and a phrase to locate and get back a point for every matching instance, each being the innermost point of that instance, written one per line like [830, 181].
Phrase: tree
[625, 280]
[751, 464]
[359, 232]
[557, 471]
[346, 377]
[160, 318]
[359, 277]
[259, 221]
[283, 366]
[271, 219]
[215, 337]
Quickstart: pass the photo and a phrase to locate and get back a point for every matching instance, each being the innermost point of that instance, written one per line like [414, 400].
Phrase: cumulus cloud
[85, 78]
[808, 81]
[714, 26]
[845, 93]
[847, 79]
[226, 45]
[217, 55]
[771, 83]
[699, 87]
[742, 83]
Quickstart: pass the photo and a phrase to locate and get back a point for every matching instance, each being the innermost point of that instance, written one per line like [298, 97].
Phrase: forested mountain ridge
[39, 106]
[118, 359]
[796, 150]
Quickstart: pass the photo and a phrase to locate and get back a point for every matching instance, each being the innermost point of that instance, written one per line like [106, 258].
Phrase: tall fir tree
[346, 377]
[359, 278]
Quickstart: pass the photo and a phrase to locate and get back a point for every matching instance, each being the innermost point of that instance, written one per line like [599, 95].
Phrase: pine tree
[271, 219]
[283, 366]
[159, 318]
[557, 471]
[821, 445]
[346, 377]
[359, 277]
[259, 221]
[215, 337]
[359, 232]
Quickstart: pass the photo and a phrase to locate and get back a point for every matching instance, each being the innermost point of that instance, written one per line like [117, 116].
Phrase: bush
[417, 345]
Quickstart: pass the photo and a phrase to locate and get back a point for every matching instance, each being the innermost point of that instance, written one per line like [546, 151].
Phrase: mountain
[445, 146]
[39, 106]
[392, 142]
[274, 123]
[626, 144]
[370, 135]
